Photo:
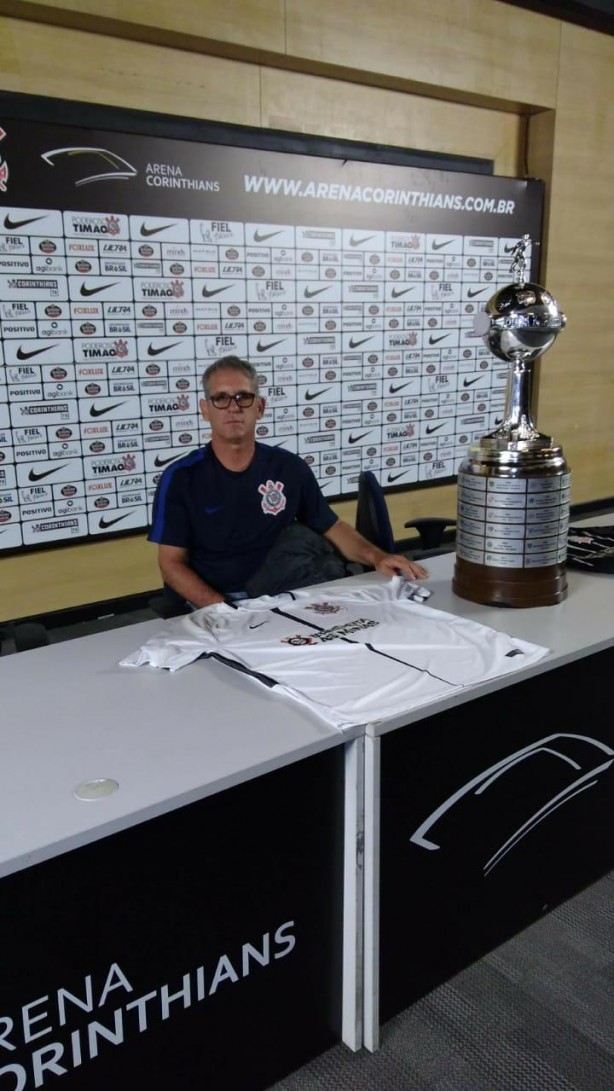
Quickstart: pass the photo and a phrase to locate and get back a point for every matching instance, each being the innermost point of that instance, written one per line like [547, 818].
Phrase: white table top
[71, 714]
[580, 625]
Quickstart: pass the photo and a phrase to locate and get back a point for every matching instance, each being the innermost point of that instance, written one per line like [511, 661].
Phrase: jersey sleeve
[314, 510]
[170, 522]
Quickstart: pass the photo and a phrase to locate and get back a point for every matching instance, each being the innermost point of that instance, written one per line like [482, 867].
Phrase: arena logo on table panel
[111, 1007]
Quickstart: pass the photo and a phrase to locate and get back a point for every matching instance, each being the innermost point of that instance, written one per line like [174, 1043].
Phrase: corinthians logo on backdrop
[95, 350]
[171, 289]
[120, 464]
[95, 225]
[170, 404]
[4, 168]
[85, 165]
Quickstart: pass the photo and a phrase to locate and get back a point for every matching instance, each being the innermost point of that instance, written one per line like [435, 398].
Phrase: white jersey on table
[353, 656]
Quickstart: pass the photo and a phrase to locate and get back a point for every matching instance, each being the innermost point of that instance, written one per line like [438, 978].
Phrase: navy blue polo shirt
[228, 521]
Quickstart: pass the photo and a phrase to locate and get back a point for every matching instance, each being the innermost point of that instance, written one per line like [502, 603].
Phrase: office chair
[373, 520]
[431, 534]
[167, 603]
[25, 635]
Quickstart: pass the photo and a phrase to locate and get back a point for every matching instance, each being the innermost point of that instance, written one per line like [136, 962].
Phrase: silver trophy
[513, 486]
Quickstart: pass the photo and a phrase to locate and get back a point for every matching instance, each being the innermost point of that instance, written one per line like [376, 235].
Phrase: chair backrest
[372, 518]
[167, 603]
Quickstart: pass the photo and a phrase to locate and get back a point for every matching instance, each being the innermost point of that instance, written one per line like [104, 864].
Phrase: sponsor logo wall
[129, 263]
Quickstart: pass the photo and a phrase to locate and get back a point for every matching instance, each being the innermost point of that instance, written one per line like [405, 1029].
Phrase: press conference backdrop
[129, 262]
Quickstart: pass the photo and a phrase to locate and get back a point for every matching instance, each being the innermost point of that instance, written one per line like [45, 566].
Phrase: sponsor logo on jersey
[337, 632]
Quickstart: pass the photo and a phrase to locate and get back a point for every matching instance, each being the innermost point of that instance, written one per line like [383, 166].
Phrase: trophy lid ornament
[520, 322]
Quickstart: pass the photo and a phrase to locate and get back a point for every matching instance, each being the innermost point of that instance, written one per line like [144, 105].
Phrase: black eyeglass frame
[239, 399]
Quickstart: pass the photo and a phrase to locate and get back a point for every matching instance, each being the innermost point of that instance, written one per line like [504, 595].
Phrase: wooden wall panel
[258, 24]
[57, 579]
[38, 59]
[577, 377]
[330, 107]
[480, 47]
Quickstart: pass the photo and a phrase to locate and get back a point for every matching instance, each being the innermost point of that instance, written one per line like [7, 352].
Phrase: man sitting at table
[220, 511]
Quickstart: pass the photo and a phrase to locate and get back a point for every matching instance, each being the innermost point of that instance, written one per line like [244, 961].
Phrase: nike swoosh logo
[309, 294]
[395, 477]
[14, 225]
[34, 476]
[208, 292]
[440, 245]
[470, 382]
[355, 344]
[396, 294]
[472, 294]
[434, 428]
[498, 420]
[264, 348]
[212, 511]
[100, 412]
[309, 396]
[434, 340]
[359, 242]
[395, 389]
[104, 524]
[263, 238]
[259, 624]
[94, 291]
[151, 351]
[506, 249]
[22, 355]
[163, 461]
[147, 232]
[355, 439]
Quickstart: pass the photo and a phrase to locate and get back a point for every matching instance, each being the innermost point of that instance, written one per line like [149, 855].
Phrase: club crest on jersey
[298, 640]
[273, 498]
[324, 608]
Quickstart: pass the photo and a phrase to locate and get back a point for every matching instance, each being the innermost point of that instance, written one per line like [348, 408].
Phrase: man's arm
[356, 548]
[176, 572]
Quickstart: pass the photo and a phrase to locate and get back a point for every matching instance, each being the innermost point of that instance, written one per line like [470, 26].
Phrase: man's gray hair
[231, 363]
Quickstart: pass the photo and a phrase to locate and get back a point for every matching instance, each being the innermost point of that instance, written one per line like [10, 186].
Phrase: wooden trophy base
[494, 586]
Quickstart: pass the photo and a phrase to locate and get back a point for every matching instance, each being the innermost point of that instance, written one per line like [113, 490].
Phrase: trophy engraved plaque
[513, 485]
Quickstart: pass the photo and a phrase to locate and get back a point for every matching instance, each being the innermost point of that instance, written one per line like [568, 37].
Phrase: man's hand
[394, 564]
[176, 572]
[356, 548]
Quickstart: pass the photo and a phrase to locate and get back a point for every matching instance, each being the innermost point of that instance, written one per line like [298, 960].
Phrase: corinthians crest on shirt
[273, 497]
[324, 608]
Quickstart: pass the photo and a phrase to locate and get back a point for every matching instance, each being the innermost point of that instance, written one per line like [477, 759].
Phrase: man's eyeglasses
[243, 399]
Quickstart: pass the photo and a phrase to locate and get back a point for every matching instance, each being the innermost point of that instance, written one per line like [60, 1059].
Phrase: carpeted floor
[537, 1014]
